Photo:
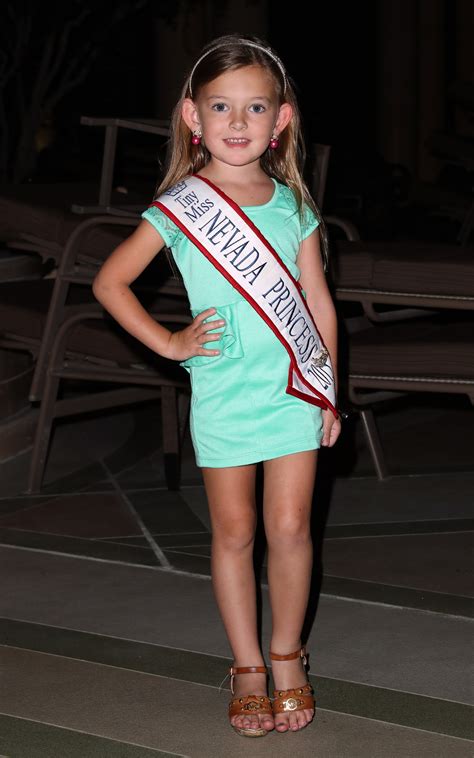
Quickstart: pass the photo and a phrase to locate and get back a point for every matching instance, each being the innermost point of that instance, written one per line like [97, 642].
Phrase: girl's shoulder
[286, 195]
[304, 217]
[163, 225]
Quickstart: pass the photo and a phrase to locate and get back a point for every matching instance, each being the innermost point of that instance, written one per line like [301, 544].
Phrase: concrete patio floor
[110, 639]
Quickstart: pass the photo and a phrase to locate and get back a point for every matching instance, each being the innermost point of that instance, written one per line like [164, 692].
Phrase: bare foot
[251, 684]
[289, 675]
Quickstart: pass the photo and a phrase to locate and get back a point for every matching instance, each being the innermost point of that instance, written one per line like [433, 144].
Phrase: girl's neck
[245, 187]
[237, 176]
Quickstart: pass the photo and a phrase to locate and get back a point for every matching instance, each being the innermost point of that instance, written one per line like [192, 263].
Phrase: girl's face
[237, 113]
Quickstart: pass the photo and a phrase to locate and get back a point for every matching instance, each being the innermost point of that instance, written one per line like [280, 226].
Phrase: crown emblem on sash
[320, 359]
[176, 189]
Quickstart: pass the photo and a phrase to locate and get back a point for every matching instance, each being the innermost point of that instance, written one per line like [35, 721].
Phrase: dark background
[375, 79]
[332, 66]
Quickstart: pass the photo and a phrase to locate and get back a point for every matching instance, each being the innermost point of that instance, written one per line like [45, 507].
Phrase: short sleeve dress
[240, 411]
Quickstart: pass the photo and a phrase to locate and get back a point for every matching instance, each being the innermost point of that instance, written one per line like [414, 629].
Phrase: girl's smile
[237, 142]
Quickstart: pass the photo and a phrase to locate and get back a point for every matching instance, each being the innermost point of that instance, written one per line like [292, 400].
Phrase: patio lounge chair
[73, 338]
[416, 331]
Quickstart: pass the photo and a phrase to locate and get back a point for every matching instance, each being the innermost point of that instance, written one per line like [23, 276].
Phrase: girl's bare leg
[231, 497]
[288, 490]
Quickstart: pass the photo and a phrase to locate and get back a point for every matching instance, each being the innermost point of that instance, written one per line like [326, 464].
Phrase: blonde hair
[284, 164]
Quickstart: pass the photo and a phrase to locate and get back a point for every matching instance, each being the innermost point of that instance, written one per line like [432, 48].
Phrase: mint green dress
[240, 411]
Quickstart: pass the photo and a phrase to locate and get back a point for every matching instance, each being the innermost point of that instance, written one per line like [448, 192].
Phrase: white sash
[234, 245]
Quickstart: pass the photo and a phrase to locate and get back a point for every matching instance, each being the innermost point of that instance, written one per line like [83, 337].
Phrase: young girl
[242, 228]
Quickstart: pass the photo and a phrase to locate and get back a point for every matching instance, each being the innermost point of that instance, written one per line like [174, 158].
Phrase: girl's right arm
[111, 287]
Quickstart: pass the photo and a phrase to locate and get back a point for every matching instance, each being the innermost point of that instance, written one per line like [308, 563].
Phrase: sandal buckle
[252, 706]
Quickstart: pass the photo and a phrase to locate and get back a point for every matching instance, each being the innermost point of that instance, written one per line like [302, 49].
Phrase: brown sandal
[298, 698]
[249, 705]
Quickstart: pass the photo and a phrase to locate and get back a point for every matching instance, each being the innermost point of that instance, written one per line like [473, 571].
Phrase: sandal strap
[300, 653]
[250, 704]
[295, 699]
[235, 670]
[247, 670]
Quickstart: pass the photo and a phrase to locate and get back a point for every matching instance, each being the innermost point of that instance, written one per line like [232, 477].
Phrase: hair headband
[244, 42]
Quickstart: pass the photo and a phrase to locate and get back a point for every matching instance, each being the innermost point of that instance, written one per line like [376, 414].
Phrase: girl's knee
[288, 528]
[234, 534]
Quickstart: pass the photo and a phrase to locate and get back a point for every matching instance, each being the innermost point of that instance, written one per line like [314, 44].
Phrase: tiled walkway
[111, 643]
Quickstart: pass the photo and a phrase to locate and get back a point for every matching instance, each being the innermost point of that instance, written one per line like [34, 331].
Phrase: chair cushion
[24, 307]
[412, 267]
[42, 210]
[351, 264]
[41, 213]
[107, 341]
[17, 266]
[438, 347]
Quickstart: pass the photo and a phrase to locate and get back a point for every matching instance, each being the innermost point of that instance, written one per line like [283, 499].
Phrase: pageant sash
[235, 247]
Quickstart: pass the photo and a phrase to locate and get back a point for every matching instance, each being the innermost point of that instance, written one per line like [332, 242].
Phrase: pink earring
[196, 138]
[274, 142]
